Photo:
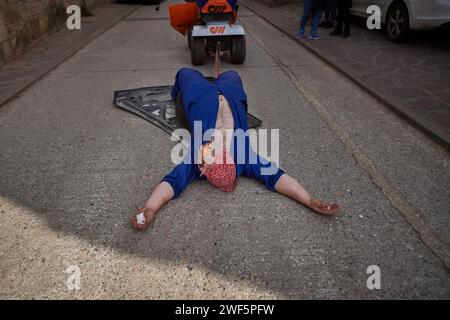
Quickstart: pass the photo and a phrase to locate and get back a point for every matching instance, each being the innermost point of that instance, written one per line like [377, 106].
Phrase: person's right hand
[149, 216]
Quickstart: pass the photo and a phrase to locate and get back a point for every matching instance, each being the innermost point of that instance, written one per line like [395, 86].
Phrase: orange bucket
[183, 16]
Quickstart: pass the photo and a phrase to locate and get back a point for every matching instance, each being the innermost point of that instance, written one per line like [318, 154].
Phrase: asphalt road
[73, 168]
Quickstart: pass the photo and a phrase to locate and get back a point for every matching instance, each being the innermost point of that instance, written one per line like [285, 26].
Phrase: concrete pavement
[73, 168]
[412, 78]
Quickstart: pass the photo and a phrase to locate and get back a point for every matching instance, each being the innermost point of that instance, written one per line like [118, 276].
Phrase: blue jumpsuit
[201, 103]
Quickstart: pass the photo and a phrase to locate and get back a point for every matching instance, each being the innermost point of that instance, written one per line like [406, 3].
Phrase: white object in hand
[140, 218]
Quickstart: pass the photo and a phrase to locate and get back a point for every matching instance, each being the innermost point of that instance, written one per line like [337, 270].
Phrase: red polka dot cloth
[222, 173]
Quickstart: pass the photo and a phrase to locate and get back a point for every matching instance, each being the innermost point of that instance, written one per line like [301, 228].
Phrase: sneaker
[345, 35]
[313, 37]
[300, 35]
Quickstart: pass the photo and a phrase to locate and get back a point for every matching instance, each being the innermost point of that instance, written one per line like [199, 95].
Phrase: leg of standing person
[315, 23]
[305, 17]
[332, 7]
[346, 18]
[340, 12]
[326, 15]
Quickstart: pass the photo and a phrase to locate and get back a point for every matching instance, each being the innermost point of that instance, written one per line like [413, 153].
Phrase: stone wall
[22, 22]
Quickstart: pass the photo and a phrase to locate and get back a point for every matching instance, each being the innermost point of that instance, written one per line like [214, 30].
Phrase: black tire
[237, 49]
[198, 53]
[397, 22]
[189, 38]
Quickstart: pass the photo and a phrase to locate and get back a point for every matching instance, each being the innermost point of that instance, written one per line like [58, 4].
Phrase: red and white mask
[221, 173]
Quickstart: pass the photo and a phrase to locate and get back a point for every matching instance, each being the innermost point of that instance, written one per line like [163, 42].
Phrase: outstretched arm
[170, 187]
[282, 183]
[162, 194]
[293, 189]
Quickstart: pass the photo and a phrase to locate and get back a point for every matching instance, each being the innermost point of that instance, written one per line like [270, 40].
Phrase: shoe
[300, 35]
[345, 35]
[313, 37]
[335, 33]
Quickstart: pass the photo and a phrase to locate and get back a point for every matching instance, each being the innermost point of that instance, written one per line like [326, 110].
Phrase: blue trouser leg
[316, 21]
[306, 12]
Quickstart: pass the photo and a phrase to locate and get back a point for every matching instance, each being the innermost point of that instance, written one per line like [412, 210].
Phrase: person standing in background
[343, 19]
[314, 8]
[329, 14]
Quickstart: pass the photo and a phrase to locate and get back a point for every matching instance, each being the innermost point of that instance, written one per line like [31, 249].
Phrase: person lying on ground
[220, 107]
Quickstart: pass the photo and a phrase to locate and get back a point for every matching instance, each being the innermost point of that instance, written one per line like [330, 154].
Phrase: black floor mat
[156, 105]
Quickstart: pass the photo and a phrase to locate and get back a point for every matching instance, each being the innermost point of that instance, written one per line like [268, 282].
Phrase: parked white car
[399, 16]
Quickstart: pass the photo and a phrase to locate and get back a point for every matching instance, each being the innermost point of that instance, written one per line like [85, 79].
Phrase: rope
[217, 60]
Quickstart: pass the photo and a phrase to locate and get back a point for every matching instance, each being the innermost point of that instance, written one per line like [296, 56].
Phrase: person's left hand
[323, 208]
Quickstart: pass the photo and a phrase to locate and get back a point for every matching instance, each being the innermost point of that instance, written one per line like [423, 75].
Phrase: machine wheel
[238, 49]
[397, 22]
[198, 52]
[189, 37]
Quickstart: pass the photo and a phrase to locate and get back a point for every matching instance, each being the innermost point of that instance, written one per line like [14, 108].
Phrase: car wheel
[198, 51]
[238, 49]
[397, 22]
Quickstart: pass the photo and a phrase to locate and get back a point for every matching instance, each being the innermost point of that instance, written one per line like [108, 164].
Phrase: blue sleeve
[181, 176]
[190, 82]
[175, 90]
[264, 171]
[183, 75]
[176, 86]
[230, 82]
[230, 77]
